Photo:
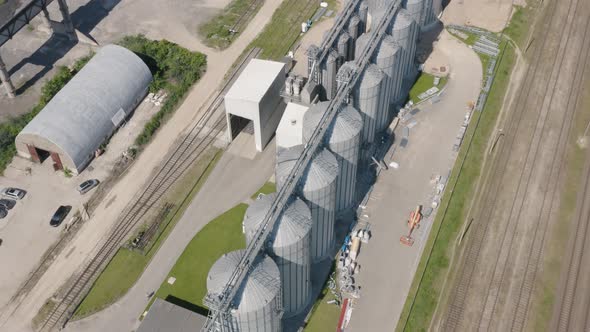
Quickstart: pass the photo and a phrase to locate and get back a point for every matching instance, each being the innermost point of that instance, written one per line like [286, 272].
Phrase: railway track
[246, 16]
[194, 143]
[509, 248]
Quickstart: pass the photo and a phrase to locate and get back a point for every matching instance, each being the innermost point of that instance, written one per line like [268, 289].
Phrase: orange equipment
[413, 223]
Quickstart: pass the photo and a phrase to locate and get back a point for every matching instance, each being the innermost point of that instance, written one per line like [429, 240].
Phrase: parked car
[8, 204]
[87, 185]
[14, 193]
[3, 212]
[60, 215]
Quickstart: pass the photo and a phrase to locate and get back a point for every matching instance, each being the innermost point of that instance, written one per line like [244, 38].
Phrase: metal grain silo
[361, 42]
[363, 12]
[289, 247]
[428, 13]
[386, 58]
[257, 304]
[344, 46]
[367, 98]
[353, 27]
[377, 8]
[329, 70]
[343, 140]
[415, 9]
[318, 188]
[404, 32]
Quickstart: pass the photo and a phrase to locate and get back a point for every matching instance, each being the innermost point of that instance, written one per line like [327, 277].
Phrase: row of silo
[404, 31]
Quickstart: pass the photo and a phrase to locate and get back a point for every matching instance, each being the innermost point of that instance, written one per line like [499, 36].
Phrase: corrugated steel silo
[363, 12]
[289, 248]
[258, 304]
[386, 58]
[377, 8]
[367, 97]
[329, 70]
[405, 31]
[343, 139]
[415, 9]
[318, 188]
[429, 16]
[354, 33]
[344, 46]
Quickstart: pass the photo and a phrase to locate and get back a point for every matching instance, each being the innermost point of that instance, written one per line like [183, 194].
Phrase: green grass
[470, 40]
[128, 265]
[522, 20]
[221, 235]
[424, 82]
[284, 29]
[216, 32]
[267, 188]
[434, 264]
[324, 316]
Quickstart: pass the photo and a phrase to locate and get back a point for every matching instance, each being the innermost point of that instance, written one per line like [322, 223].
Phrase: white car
[13, 193]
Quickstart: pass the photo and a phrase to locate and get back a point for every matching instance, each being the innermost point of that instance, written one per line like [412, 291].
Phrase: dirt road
[519, 197]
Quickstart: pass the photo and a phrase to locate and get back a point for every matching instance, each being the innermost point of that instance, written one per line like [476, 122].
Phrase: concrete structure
[387, 58]
[255, 96]
[165, 316]
[368, 98]
[289, 247]
[404, 31]
[343, 140]
[290, 128]
[87, 110]
[319, 191]
[258, 306]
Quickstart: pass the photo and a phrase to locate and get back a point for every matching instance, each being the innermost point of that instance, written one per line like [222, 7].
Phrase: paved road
[17, 316]
[233, 180]
[387, 267]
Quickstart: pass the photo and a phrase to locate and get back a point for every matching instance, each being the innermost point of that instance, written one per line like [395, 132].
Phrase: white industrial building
[86, 112]
[290, 129]
[255, 96]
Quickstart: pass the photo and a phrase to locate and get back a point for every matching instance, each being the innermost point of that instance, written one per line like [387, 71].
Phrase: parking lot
[25, 232]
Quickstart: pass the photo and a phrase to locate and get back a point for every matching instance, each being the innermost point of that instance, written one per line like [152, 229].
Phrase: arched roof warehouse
[88, 109]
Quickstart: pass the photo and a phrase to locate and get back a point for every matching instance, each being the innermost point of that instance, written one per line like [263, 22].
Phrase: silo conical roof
[262, 285]
[347, 124]
[322, 171]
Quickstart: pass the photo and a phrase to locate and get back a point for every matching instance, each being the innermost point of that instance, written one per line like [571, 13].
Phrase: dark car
[60, 215]
[8, 204]
[85, 186]
[3, 212]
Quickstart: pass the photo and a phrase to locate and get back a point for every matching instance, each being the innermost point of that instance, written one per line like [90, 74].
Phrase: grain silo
[367, 98]
[363, 12]
[415, 9]
[318, 188]
[329, 70]
[289, 247]
[354, 33]
[343, 46]
[387, 58]
[343, 140]
[377, 8]
[257, 304]
[403, 32]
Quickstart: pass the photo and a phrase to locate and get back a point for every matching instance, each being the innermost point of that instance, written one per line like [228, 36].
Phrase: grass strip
[220, 31]
[126, 267]
[267, 188]
[433, 267]
[424, 82]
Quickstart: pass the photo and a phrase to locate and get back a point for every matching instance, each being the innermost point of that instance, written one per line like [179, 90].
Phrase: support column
[67, 20]
[46, 19]
[5, 78]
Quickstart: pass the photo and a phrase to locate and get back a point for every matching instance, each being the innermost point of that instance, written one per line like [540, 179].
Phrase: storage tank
[343, 140]
[353, 26]
[403, 32]
[258, 301]
[318, 189]
[289, 247]
[344, 46]
[428, 13]
[363, 12]
[437, 8]
[367, 98]
[377, 8]
[415, 9]
[361, 42]
[386, 58]
[329, 70]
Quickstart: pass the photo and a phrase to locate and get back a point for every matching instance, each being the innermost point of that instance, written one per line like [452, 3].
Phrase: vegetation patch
[434, 264]
[324, 316]
[426, 81]
[10, 129]
[521, 22]
[223, 29]
[127, 265]
[267, 188]
[220, 236]
[174, 68]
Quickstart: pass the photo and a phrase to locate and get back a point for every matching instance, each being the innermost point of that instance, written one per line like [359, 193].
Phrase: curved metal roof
[294, 223]
[347, 124]
[261, 286]
[82, 114]
[321, 173]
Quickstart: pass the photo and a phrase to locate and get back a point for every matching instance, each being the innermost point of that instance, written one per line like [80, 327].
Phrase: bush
[175, 69]
[10, 129]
